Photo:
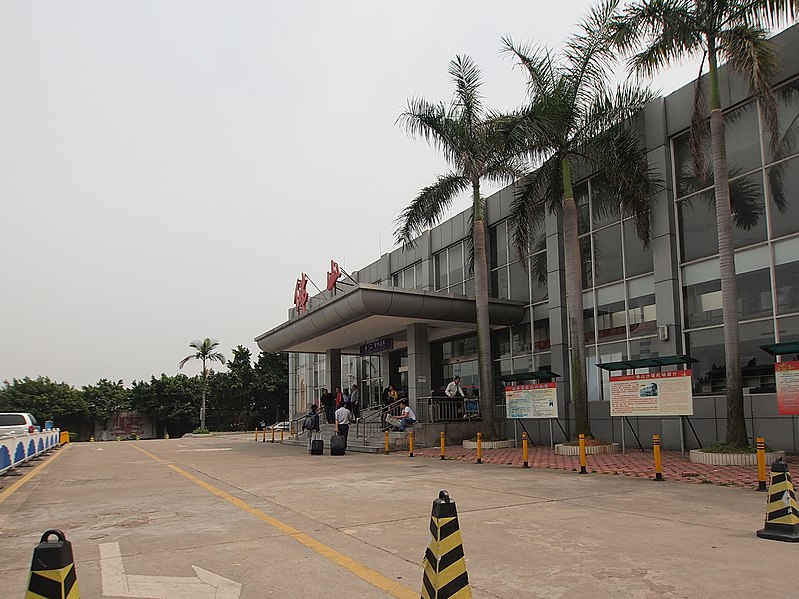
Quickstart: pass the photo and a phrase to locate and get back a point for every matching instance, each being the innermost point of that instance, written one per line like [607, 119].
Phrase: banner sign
[652, 394]
[787, 388]
[532, 401]
[375, 347]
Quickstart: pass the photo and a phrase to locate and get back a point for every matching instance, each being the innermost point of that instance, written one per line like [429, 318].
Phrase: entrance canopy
[368, 312]
[781, 349]
[679, 360]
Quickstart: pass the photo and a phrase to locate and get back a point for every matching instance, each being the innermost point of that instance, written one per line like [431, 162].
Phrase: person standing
[339, 397]
[343, 419]
[311, 424]
[454, 388]
[327, 400]
[355, 401]
[345, 398]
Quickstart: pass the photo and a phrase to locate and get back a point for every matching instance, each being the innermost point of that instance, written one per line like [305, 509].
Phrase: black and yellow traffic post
[386, 449]
[443, 446]
[479, 448]
[583, 463]
[658, 463]
[263, 437]
[53, 569]
[525, 451]
[444, 565]
[410, 444]
[273, 435]
[761, 464]
[256, 434]
[782, 514]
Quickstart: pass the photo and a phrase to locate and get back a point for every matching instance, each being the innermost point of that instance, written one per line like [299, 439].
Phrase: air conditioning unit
[663, 332]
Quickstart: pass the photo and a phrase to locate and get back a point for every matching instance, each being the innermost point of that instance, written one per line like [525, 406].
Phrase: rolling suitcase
[337, 446]
[317, 444]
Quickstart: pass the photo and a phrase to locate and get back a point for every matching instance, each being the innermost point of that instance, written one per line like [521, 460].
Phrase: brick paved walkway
[633, 463]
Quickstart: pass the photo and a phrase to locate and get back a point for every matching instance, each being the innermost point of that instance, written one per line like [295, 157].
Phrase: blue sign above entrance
[375, 347]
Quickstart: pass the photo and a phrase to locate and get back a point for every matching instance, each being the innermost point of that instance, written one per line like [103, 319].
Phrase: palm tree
[574, 119]
[660, 32]
[205, 352]
[467, 136]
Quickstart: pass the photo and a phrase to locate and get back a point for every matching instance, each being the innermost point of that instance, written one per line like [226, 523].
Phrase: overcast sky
[169, 168]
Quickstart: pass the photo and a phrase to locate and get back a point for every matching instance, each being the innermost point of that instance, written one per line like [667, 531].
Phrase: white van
[17, 423]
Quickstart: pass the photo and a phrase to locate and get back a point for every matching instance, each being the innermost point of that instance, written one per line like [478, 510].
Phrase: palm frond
[466, 76]
[750, 52]
[534, 195]
[536, 61]
[433, 124]
[428, 207]
[761, 13]
[698, 133]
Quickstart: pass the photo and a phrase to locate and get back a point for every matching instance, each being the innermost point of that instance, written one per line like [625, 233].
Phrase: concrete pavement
[282, 523]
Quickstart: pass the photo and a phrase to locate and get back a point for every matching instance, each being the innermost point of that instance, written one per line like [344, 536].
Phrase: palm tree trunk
[481, 306]
[736, 423]
[202, 405]
[574, 305]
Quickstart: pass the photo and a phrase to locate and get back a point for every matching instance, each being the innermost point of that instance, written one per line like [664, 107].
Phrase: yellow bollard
[443, 446]
[273, 435]
[656, 450]
[525, 451]
[256, 434]
[281, 435]
[410, 444]
[583, 469]
[761, 464]
[479, 448]
[386, 451]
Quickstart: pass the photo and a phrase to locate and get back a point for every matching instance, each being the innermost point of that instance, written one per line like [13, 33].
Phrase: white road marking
[213, 449]
[205, 585]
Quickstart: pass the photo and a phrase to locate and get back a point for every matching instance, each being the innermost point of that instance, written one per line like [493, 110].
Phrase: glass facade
[409, 278]
[765, 236]
[620, 313]
[452, 272]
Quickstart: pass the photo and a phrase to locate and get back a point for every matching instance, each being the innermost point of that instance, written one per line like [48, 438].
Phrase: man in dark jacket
[328, 402]
[311, 424]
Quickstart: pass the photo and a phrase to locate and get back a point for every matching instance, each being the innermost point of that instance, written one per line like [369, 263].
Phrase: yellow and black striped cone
[782, 514]
[444, 565]
[53, 569]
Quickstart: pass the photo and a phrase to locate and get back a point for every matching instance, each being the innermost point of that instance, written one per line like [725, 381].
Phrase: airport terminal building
[409, 317]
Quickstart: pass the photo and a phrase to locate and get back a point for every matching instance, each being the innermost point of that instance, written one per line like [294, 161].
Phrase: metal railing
[372, 424]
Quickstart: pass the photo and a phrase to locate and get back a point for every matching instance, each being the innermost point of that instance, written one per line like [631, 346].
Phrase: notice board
[539, 400]
[652, 394]
[787, 374]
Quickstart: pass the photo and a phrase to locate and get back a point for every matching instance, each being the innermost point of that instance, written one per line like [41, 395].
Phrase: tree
[45, 399]
[105, 399]
[172, 400]
[205, 352]
[469, 139]
[660, 32]
[574, 119]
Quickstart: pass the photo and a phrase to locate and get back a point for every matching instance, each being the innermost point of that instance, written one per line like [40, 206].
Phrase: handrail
[369, 426]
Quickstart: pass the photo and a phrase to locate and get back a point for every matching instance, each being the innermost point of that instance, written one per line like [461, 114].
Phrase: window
[786, 268]
[451, 269]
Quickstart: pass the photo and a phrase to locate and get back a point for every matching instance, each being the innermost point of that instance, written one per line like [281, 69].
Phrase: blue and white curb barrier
[18, 449]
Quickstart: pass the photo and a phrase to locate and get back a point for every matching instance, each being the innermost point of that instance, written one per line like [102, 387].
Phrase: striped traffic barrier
[53, 569]
[443, 446]
[782, 514]
[583, 462]
[444, 563]
[410, 444]
[761, 464]
[525, 451]
[656, 451]
[479, 448]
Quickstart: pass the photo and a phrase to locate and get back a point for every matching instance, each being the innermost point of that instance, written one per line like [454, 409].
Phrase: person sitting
[407, 417]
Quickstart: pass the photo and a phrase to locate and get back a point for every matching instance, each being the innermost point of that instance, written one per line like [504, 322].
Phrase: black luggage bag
[337, 445]
[317, 444]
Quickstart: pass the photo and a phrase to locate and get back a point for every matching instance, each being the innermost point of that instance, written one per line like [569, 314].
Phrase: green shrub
[200, 431]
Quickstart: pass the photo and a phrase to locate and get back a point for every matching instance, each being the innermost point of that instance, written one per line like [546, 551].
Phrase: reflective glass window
[698, 232]
[455, 264]
[786, 260]
[784, 183]
[742, 138]
[788, 114]
[521, 339]
[541, 340]
[583, 208]
[753, 283]
[637, 258]
[538, 277]
[702, 293]
[519, 283]
[499, 283]
[641, 306]
[607, 255]
[585, 262]
[440, 264]
[748, 200]
[588, 317]
[498, 237]
[610, 313]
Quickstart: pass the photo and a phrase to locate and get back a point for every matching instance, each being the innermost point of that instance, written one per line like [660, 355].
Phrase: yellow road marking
[363, 571]
[10, 491]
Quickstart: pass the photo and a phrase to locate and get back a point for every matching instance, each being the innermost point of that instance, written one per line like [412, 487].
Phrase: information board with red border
[787, 374]
[652, 394]
[539, 400]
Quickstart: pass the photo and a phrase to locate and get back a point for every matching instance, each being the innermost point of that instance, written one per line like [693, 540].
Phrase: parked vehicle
[17, 423]
[280, 426]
